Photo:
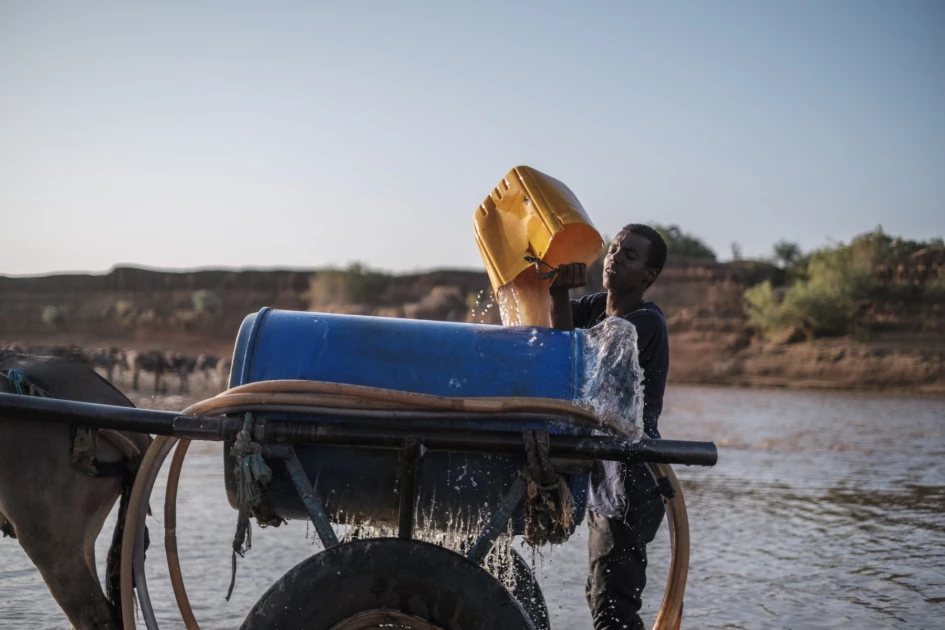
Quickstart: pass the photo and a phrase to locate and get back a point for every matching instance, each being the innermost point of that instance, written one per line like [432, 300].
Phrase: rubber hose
[170, 536]
[669, 616]
[138, 574]
[275, 392]
[137, 511]
[357, 396]
[483, 404]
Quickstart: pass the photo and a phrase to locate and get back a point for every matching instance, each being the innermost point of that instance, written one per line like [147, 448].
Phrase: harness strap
[84, 439]
[24, 386]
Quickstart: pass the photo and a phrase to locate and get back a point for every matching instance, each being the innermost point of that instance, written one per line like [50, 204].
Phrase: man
[625, 508]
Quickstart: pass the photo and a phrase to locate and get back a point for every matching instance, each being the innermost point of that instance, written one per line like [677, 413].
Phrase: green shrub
[829, 301]
[935, 290]
[206, 301]
[365, 285]
[679, 243]
[51, 316]
[763, 308]
[124, 309]
[786, 254]
[831, 289]
[355, 285]
[884, 249]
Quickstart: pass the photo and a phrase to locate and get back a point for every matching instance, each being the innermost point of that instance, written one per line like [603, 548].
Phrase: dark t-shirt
[610, 484]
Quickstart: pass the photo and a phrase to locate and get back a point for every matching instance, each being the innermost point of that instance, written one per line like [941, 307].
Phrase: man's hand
[569, 276]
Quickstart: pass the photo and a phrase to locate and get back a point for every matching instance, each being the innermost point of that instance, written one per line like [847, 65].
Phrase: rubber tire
[528, 593]
[417, 578]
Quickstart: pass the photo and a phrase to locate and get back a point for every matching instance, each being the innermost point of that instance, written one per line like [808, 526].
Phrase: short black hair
[657, 252]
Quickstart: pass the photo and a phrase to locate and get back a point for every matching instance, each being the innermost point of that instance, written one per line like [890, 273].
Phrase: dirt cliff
[711, 340]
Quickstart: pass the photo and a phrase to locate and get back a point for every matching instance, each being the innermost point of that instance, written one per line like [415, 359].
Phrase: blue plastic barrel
[441, 358]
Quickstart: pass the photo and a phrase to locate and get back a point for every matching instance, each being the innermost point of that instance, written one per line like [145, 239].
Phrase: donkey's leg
[57, 512]
[63, 549]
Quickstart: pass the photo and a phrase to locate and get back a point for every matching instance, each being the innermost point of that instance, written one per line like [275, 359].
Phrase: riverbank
[711, 341]
[823, 364]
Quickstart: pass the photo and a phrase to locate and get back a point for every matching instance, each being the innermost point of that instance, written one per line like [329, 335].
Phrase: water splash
[484, 310]
[524, 302]
[613, 378]
[534, 338]
[459, 535]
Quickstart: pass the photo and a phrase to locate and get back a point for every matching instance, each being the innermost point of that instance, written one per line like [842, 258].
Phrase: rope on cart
[252, 475]
[549, 504]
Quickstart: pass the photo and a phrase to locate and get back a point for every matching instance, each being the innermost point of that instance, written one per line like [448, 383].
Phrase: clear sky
[186, 134]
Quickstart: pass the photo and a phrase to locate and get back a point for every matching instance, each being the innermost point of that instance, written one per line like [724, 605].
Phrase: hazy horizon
[229, 135]
[724, 258]
[233, 268]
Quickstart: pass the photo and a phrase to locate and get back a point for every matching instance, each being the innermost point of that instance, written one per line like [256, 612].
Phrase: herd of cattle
[112, 361]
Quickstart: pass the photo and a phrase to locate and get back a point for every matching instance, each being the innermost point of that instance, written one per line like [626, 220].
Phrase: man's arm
[570, 276]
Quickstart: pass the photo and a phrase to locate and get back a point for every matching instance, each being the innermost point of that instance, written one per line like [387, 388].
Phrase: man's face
[625, 266]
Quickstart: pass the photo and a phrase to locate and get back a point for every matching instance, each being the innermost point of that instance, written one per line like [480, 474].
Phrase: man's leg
[617, 553]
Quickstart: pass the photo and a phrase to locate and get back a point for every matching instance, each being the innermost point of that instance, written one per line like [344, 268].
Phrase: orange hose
[140, 493]
[482, 404]
[170, 536]
[358, 397]
[669, 616]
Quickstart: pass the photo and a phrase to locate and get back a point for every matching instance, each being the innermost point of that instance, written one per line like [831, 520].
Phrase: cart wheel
[387, 583]
[528, 593]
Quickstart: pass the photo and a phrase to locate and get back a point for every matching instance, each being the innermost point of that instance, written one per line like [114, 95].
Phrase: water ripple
[825, 511]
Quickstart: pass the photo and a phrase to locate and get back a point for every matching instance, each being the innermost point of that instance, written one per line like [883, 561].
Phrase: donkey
[108, 359]
[54, 509]
[181, 365]
[207, 364]
[152, 361]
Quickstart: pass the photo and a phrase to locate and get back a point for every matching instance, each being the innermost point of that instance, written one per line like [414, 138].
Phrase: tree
[678, 243]
[786, 254]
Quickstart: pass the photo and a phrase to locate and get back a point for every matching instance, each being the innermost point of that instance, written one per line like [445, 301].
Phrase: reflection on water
[825, 511]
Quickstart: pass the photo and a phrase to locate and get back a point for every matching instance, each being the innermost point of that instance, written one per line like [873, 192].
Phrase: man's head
[634, 259]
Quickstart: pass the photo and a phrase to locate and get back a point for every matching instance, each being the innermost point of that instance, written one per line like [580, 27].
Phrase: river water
[825, 511]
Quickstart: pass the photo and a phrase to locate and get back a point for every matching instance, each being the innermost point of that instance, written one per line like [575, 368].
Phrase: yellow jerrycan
[530, 224]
